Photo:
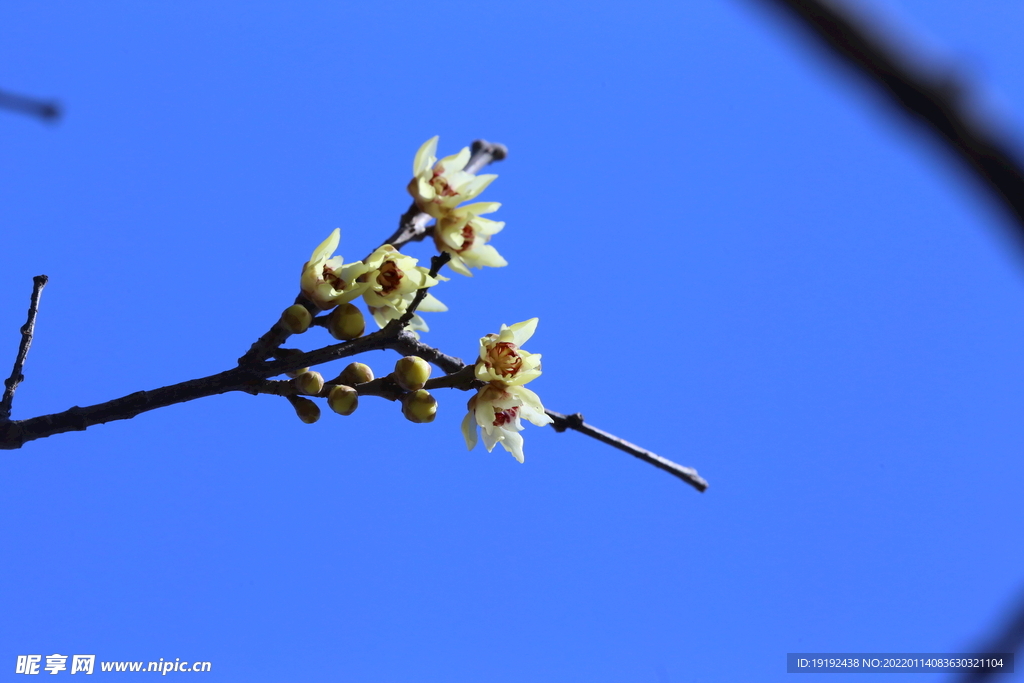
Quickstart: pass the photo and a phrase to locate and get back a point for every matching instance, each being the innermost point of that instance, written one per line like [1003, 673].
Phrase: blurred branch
[27, 332]
[933, 99]
[47, 111]
[1009, 638]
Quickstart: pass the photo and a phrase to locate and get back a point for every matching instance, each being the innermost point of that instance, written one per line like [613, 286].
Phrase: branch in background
[931, 98]
[27, 331]
[1009, 639]
[47, 111]
[575, 422]
[412, 226]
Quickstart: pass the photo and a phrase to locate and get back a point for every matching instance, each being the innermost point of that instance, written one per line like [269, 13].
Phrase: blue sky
[739, 257]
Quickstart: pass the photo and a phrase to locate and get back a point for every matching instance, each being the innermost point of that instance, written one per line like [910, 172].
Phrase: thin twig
[47, 111]
[264, 347]
[412, 226]
[575, 422]
[27, 332]
[931, 98]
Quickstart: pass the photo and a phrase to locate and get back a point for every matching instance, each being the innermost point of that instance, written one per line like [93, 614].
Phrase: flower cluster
[388, 281]
[438, 187]
[500, 405]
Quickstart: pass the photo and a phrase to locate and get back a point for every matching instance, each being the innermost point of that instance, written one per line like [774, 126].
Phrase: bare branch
[933, 99]
[575, 422]
[264, 347]
[408, 345]
[47, 111]
[412, 226]
[27, 332]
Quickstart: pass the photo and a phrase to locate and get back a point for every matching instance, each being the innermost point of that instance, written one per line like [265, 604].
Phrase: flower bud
[419, 406]
[311, 383]
[296, 319]
[296, 373]
[346, 322]
[343, 399]
[307, 411]
[356, 373]
[411, 372]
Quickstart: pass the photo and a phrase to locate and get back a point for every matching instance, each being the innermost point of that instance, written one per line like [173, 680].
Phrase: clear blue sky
[739, 258]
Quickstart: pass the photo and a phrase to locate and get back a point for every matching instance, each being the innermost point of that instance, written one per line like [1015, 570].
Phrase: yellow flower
[326, 280]
[392, 280]
[501, 358]
[440, 186]
[499, 411]
[464, 235]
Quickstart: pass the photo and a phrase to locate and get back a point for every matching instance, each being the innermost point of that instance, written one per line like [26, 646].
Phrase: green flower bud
[343, 399]
[296, 319]
[419, 406]
[346, 322]
[356, 373]
[311, 383]
[411, 372]
[307, 411]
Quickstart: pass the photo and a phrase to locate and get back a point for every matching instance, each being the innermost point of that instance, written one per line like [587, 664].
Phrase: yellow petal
[425, 158]
[327, 247]
[521, 332]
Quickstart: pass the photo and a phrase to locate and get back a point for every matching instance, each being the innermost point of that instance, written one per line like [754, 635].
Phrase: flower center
[504, 358]
[389, 277]
[440, 184]
[332, 278]
[506, 416]
[467, 238]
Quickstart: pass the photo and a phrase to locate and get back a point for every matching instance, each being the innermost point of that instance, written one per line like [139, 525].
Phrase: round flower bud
[419, 406]
[343, 399]
[356, 373]
[412, 372]
[311, 383]
[296, 319]
[307, 411]
[346, 322]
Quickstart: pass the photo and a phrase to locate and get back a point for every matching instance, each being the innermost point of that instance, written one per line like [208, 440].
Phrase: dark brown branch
[412, 226]
[264, 347]
[575, 422]
[47, 111]
[15, 434]
[27, 332]
[407, 345]
[930, 98]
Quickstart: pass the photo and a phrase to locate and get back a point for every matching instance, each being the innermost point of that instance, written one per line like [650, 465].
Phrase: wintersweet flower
[464, 234]
[499, 411]
[503, 360]
[392, 280]
[326, 280]
[440, 186]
